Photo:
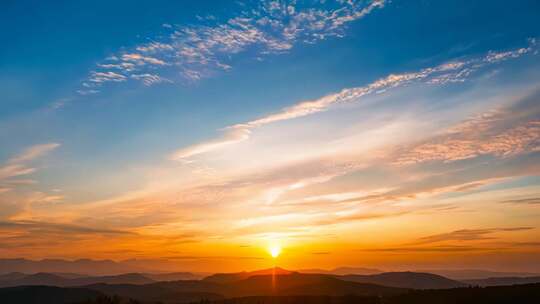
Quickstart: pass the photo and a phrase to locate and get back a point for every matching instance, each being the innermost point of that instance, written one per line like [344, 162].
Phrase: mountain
[343, 271]
[503, 281]
[49, 279]
[302, 284]
[172, 276]
[470, 274]
[166, 292]
[256, 285]
[12, 276]
[84, 266]
[231, 277]
[46, 295]
[523, 294]
[413, 280]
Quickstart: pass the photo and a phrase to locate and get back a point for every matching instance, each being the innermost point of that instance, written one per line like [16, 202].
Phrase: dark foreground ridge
[523, 294]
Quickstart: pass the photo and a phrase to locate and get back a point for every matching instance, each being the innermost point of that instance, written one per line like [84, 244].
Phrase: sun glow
[274, 250]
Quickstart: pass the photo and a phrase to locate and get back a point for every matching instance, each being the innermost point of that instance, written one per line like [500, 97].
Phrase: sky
[391, 134]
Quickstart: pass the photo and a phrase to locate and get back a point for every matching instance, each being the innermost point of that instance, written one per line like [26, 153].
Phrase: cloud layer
[191, 53]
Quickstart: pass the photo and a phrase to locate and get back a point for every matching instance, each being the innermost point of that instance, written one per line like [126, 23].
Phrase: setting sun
[274, 250]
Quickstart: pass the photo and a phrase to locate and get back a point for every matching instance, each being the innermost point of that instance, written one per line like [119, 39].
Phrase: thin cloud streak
[455, 71]
[468, 235]
[17, 165]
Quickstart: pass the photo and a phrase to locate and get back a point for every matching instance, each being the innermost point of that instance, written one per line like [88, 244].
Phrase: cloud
[232, 135]
[476, 137]
[468, 235]
[453, 71]
[198, 51]
[141, 60]
[149, 79]
[17, 165]
[100, 77]
[12, 170]
[34, 152]
[441, 249]
[56, 228]
[524, 201]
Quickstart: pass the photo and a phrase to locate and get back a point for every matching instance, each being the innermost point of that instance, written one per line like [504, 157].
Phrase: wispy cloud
[198, 51]
[468, 235]
[17, 165]
[463, 145]
[42, 227]
[454, 71]
[34, 152]
[149, 79]
[524, 201]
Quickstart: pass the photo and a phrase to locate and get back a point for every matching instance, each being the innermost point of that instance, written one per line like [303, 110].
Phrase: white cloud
[199, 51]
[149, 79]
[141, 60]
[99, 77]
[454, 71]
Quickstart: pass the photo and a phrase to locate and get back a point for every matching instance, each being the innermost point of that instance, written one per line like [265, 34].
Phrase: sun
[274, 250]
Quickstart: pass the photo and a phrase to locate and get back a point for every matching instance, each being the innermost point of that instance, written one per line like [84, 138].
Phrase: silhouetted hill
[236, 276]
[12, 276]
[350, 299]
[519, 294]
[343, 271]
[45, 279]
[472, 274]
[167, 292]
[522, 294]
[152, 293]
[46, 295]
[302, 284]
[262, 285]
[49, 279]
[413, 280]
[172, 276]
[503, 281]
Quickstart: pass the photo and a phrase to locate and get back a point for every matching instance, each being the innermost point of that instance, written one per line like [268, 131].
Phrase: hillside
[236, 276]
[46, 295]
[503, 281]
[412, 280]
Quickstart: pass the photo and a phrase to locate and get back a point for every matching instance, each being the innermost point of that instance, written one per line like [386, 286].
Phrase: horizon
[224, 136]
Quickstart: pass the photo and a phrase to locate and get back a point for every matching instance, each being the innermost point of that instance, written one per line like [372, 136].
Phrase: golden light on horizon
[274, 250]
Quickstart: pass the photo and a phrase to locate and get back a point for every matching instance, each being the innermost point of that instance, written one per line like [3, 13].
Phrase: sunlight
[274, 250]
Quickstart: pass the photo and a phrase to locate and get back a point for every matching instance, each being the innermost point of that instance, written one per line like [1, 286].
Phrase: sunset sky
[391, 134]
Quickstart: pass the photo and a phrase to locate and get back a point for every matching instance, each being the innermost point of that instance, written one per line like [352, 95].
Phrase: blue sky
[122, 104]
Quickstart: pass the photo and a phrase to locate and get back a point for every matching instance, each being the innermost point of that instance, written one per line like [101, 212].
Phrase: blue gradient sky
[297, 122]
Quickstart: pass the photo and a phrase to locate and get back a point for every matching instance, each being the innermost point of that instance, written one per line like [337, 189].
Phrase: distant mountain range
[343, 270]
[50, 279]
[181, 287]
[163, 270]
[83, 266]
[469, 274]
[159, 270]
